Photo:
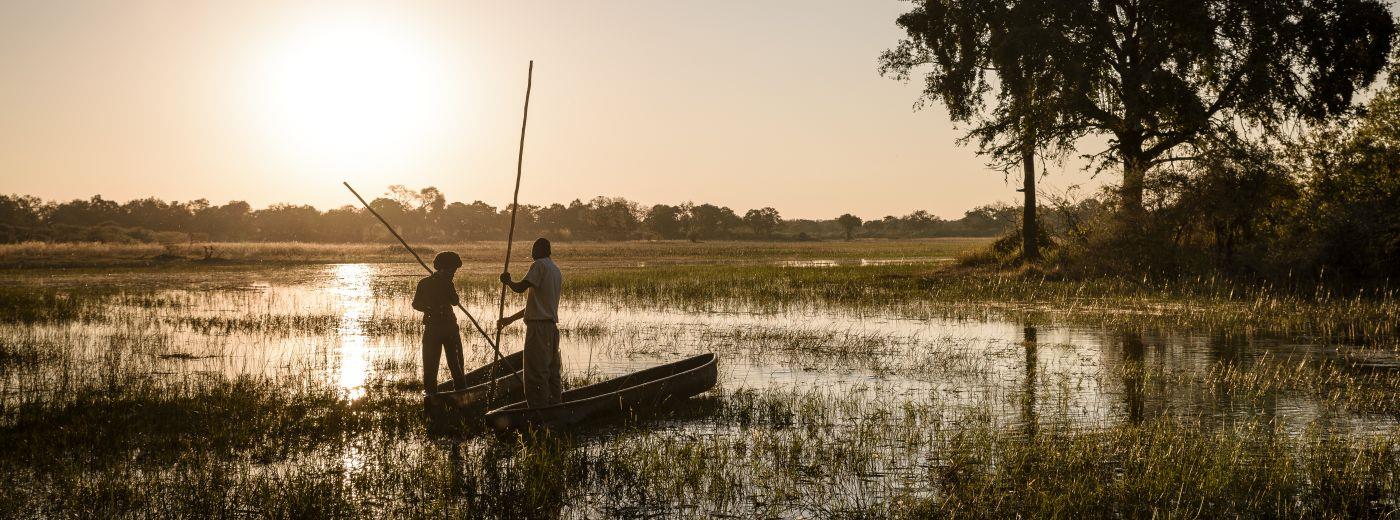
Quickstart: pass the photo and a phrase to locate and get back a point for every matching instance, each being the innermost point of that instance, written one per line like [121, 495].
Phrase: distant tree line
[426, 215]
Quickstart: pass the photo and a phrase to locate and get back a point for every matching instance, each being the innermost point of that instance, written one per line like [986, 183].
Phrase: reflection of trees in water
[1028, 416]
[1227, 347]
[1208, 377]
[1226, 352]
[1234, 352]
[1134, 351]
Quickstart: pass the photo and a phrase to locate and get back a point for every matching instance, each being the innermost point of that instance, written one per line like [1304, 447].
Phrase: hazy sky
[740, 103]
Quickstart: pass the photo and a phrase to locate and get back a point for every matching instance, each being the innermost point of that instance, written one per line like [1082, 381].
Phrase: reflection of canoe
[637, 391]
[509, 388]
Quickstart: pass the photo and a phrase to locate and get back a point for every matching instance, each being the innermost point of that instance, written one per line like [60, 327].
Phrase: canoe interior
[618, 384]
[510, 387]
[508, 364]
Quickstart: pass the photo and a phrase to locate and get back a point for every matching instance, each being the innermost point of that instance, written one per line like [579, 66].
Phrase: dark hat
[447, 260]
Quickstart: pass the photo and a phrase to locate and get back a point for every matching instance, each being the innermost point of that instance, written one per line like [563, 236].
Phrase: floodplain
[857, 379]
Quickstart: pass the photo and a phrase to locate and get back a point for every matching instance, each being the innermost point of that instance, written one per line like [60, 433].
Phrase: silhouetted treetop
[1153, 75]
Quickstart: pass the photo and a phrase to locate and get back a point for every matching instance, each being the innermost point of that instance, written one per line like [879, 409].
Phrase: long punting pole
[425, 266]
[514, 207]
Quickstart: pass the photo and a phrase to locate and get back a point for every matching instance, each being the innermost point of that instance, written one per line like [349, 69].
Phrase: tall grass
[193, 392]
[474, 254]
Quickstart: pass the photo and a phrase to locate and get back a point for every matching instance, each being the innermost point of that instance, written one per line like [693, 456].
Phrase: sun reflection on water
[354, 301]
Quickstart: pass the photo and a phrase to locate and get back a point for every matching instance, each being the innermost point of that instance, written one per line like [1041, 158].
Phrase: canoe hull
[451, 404]
[508, 363]
[651, 388]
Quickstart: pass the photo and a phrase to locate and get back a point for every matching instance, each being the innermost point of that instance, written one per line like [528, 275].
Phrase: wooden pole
[514, 208]
[425, 266]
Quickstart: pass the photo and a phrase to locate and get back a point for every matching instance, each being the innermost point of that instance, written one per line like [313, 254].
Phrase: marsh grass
[477, 255]
[803, 453]
[19, 353]
[220, 392]
[160, 421]
[1326, 381]
[1165, 468]
[21, 305]
[929, 291]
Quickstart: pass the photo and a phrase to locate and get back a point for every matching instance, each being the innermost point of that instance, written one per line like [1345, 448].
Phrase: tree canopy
[1152, 75]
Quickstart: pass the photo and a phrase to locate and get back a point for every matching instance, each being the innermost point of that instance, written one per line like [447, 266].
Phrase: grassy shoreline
[42, 255]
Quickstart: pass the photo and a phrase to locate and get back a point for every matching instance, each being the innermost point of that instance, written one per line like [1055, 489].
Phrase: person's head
[540, 249]
[447, 261]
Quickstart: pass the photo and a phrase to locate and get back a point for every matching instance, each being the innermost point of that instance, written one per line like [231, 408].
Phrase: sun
[351, 93]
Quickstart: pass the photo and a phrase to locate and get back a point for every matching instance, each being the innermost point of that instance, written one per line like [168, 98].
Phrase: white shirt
[542, 303]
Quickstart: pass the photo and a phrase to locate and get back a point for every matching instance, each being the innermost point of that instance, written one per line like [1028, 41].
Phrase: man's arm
[451, 294]
[510, 319]
[420, 303]
[519, 287]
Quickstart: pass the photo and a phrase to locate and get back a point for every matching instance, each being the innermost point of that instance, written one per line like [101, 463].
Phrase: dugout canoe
[510, 388]
[650, 388]
[482, 374]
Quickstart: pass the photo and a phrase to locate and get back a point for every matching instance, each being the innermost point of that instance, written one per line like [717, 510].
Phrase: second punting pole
[425, 267]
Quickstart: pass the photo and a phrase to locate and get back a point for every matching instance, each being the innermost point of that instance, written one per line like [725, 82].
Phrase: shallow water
[350, 325]
[820, 406]
[862, 262]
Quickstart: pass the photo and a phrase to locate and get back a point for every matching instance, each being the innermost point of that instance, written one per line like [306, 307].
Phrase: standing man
[434, 298]
[541, 314]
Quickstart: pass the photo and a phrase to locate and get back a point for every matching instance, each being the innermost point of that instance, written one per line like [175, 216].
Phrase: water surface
[350, 325]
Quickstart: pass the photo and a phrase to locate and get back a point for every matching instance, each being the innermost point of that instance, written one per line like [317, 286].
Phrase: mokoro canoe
[477, 397]
[508, 363]
[650, 388]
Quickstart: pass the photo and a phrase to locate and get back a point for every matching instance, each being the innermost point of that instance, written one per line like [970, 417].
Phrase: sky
[740, 103]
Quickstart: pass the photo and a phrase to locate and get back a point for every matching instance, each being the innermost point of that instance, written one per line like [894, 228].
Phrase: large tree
[967, 42]
[849, 223]
[664, 221]
[711, 221]
[21, 210]
[763, 221]
[1152, 75]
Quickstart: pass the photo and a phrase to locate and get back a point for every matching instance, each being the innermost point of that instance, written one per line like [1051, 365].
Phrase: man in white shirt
[541, 314]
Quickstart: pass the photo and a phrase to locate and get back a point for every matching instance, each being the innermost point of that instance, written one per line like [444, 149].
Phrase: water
[350, 326]
[820, 407]
[862, 262]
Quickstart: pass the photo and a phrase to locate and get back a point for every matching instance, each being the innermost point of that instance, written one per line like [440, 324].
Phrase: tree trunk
[1030, 226]
[1134, 172]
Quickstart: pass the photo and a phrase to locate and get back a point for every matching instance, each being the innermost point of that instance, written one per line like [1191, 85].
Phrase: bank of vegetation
[1249, 137]
[1319, 209]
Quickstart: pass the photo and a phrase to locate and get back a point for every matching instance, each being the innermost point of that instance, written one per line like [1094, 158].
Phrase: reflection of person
[434, 298]
[541, 314]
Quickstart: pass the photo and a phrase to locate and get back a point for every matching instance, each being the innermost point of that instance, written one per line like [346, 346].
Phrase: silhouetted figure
[541, 314]
[434, 298]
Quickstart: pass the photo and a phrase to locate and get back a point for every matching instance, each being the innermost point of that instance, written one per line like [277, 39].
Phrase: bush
[1350, 215]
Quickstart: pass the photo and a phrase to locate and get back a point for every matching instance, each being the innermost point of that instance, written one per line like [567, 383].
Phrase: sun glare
[351, 93]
